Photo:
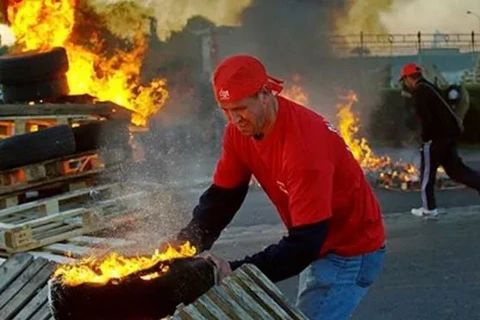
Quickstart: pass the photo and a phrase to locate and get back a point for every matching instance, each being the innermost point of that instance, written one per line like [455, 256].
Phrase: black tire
[43, 90]
[133, 298]
[33, 66]
[37, 146]
[103, 134]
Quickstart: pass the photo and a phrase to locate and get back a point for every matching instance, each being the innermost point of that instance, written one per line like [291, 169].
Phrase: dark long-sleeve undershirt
[216, 209]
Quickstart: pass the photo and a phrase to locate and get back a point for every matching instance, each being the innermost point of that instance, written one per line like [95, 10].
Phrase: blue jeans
[331, 288]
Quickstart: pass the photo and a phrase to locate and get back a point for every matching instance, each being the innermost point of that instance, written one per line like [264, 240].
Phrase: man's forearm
[292, 254]
[216, 208]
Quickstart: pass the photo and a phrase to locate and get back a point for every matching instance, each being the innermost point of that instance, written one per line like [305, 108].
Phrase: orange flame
[295, 92]
[348, 127]
[115, 267]
[44, 24]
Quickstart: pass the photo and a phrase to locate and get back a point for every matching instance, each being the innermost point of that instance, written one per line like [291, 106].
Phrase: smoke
[429, 16]
[171, 15]
[407, 16]
[363, 16]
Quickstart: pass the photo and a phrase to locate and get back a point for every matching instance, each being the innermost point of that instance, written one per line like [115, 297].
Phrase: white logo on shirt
[224, 94]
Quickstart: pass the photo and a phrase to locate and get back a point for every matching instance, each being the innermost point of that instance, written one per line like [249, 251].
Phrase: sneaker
[421, 212]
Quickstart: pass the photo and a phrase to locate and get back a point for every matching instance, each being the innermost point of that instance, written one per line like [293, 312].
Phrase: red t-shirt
[309, 174]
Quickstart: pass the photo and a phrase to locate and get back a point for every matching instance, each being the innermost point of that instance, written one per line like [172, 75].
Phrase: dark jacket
[437, 120]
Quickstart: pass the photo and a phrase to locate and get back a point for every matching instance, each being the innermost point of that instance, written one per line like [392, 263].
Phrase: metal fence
[365, 44]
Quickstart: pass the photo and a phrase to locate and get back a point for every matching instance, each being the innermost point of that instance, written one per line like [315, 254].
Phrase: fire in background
[96, 67]
[382, 170]
[106, 41]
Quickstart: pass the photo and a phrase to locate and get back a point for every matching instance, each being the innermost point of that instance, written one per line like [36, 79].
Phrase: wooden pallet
[105, 109]
[23, 288]
[33, 191]
[24, 276]
[36, 229]
[51, 205]
[50, 169]
[66, 166]
[248, 295]
[15, 125]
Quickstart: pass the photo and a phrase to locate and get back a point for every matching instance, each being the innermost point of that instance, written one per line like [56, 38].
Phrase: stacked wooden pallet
[81, 192]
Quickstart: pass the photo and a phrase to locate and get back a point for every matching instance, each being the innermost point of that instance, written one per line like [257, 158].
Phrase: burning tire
[133, 298]
[37, 146]
[34, 75]
[52, 89]
[102, 134]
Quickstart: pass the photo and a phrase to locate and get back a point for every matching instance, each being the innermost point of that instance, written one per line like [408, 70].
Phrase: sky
[403, 16]
[446, 16]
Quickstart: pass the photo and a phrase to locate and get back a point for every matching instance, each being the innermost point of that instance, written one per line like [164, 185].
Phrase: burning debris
[118, 287]
[94, 68]
[380, 171]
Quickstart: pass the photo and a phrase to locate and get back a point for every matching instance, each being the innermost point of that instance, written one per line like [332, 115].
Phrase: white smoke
[429, 16]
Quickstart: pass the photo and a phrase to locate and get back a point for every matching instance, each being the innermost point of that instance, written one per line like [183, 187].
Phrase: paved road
[257, 207]
[431, 271]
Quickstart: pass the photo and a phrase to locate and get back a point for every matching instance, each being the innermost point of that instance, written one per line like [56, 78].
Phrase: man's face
[248, 115]
[409, 83]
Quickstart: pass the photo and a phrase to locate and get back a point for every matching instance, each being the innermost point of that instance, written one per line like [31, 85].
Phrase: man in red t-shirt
[336, 234]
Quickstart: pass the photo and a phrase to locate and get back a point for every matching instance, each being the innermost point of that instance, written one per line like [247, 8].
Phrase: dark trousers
[443, 153]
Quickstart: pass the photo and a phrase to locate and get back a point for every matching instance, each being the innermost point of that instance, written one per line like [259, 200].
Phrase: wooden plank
[28, 291]
[33, 305]
[45, 220]
[69, 178]
[50, 119]
[12, 268]
[272, 290]
[51, 257]
[206, 303]
[261, 296]
[68, 249]
[192, 314]
[45, 228]
[47, 241]
[247, 301]
[43, 313]
[47, 109]
[230, 307]
[27, 275]
[59, 230]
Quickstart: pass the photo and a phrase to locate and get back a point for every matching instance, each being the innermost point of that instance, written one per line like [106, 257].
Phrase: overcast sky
[404, 16]
[447, 16]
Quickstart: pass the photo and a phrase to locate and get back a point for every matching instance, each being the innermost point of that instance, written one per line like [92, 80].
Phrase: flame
[114, 267]
[44, 24]
[348, 127]
[295, 92]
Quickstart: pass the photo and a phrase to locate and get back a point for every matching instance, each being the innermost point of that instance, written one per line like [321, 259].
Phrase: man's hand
[223, 267]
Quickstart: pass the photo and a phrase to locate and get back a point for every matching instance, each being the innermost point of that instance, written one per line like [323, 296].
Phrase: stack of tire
[41, 76]
[34, 76]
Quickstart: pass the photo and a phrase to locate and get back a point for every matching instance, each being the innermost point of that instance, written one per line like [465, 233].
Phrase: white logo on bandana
[224, 94]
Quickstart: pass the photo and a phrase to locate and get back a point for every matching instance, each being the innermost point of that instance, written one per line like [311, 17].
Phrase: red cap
[410, 69]
[241, 76]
